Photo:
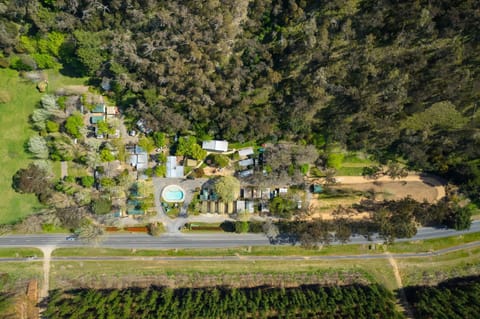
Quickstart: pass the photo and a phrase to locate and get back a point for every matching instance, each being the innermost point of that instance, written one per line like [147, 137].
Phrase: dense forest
[454, 298]
[355, 301]
[398, 79]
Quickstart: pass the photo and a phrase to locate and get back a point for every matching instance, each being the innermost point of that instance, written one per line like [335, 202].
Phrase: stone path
[63, 169]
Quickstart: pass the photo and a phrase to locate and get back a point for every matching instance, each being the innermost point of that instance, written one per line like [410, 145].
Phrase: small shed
[240, 206]
[246, 162]
[99, 108]
[97, 118]
[317, 189]
[229, 207]
[215, 145]
[112, 110]
[249, 206]
[246, 173]
[221, 207]
[245, 151]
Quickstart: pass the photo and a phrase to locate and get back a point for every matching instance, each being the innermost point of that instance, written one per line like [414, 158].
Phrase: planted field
[463, 295]
[311, 301]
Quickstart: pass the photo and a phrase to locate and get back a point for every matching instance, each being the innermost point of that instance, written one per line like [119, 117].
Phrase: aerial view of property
[240, 159]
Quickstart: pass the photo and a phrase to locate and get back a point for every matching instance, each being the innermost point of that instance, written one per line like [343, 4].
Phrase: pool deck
[176, 189]
[188, 186]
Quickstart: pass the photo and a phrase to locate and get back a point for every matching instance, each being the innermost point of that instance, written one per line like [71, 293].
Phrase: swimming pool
[173, 193]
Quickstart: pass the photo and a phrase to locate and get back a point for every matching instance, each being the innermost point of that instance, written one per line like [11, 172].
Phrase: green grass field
[353, 164]
[15, 131]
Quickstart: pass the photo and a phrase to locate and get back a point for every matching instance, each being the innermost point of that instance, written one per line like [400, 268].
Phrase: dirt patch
[396, 190]
[385, 189]
[212, 171]
[72, 90]
[210, 280]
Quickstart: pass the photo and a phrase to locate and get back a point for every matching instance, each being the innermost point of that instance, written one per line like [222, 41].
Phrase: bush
[52, 127]
[48, 227]
[335, 160]
[23, 63]
[241, 227]
[199, 173]
[87, 181]
[44, 61]
[255, 227]
[102, 206]
[155, 229]
[160, 170]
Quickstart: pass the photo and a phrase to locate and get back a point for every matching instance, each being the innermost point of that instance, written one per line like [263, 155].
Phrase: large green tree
[227, 188]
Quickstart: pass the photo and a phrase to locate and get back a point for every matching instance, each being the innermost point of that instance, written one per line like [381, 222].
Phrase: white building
[245, 151]
[246, 162]
[173, 169]
[215, 145]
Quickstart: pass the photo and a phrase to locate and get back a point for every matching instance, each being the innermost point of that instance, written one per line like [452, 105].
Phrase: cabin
[215, 146]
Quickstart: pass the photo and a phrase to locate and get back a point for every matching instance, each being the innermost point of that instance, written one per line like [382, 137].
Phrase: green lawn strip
[56, 80]
[76, 170]
[350, 171]
[433, 244]
[19, 252]
[241, 251]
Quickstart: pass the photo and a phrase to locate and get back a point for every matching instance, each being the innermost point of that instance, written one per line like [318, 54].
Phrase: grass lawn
[433, 244]
[15, 131]
[350, 171]
[18, 272]
[20, 252]
[240, 251]
[353, 164]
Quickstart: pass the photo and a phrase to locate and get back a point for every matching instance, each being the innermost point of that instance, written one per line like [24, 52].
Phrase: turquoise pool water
[173, 193]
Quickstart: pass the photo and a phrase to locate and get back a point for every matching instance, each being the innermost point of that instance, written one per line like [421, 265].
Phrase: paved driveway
[188, 185]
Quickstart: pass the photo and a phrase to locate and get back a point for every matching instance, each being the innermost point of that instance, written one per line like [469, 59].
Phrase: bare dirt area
[212, 171]
[418, 187]
[396, 190]
[72, 90]
[209, 280]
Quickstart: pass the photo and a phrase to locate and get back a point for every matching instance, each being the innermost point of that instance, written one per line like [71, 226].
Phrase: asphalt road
[221, 240]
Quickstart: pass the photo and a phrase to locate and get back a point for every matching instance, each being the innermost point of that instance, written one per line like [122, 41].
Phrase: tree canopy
[227, 188]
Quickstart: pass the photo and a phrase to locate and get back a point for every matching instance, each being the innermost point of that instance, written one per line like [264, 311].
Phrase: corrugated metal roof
[245, 151]
[246, 162]
[173, 170]
[215, 145]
